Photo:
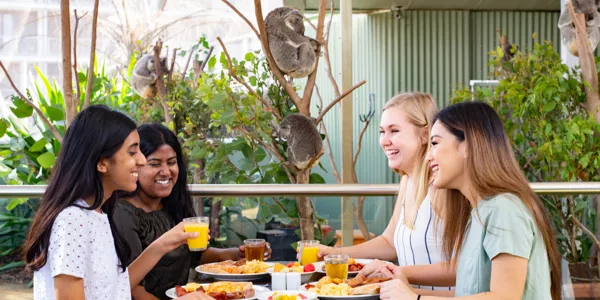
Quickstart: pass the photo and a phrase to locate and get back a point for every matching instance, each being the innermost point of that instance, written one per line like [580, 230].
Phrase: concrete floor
[10, 291]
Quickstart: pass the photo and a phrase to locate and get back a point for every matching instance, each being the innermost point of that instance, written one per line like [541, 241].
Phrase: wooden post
[347, 122]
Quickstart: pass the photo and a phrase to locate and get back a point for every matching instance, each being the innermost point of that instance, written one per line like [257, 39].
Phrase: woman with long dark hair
[497, 234]
[160, 202]
[72, 246]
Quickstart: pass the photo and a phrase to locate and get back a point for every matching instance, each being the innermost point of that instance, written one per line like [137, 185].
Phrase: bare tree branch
[206, 59]
[326, 35]
[586, 231]
[336, 88]
[360, 201]
[310, 23]
[187, 63]
[288, 87]
[243, 17]
[172, 68]
[243, 82]
[37, 110]
[312, 78]
[334, 168]
[90, 77]
[359, 146]
[338, 99]
[160, 85]
[77, 18]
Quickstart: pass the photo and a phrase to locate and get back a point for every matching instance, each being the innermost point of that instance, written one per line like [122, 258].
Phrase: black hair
[179, 203]
[97, 132]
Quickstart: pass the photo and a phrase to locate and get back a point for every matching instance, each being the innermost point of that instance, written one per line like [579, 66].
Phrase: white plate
[257, 290]
[236, 277]
[304, 276]
[320, 264]
[354, 297]
[308, 295]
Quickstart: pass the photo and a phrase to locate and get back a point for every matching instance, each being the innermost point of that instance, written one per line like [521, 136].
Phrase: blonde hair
[420, 108]
[493, 170]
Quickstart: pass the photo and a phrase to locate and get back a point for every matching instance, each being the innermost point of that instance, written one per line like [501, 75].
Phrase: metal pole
[347, 122]
[313, 190]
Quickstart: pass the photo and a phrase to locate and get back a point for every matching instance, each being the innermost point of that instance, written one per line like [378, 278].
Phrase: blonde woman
[500, 238]
[410, 236]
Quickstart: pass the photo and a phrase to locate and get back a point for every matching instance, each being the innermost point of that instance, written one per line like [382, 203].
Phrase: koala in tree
[143, 79]
[592, 18]
[305, 145]
[294, 53]
[507, 48]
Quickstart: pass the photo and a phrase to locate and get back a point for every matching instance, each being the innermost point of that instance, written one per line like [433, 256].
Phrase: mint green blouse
[502, 224]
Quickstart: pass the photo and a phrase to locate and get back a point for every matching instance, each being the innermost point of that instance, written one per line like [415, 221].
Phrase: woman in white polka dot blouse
[72, 246]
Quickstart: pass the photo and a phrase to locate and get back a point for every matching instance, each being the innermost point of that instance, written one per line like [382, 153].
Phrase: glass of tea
[199, 225]
[336, 266]
[254, 249]
[309, 251]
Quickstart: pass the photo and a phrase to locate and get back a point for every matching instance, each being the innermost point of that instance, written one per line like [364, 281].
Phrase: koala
[508, 50]
[305, 145]
[294, 53]
[567, 27]
[143, 79]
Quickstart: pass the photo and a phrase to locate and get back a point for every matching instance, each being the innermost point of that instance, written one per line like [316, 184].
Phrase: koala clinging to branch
[592, 18]
[294, 53]
[143, 78]
[305, 145]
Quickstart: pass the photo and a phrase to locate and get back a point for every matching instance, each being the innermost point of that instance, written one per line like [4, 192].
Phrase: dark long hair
[97, 132]
[179, 203]
[494, 170]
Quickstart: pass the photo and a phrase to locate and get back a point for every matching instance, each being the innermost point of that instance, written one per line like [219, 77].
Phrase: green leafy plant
[541, 102]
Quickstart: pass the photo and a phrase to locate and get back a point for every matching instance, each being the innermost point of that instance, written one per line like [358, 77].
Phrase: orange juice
[339, 271]
[309, 255]
[201, 242]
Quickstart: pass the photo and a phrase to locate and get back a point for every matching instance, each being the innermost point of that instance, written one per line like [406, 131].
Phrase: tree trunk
[587, 62]
[305, 210]
[65, 22]
[215, 209]
[196, 179]
[360, 220]
[90, 83]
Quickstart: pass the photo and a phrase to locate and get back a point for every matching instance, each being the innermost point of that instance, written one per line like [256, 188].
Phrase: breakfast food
[359, 285]
[353, 266]
[235, 267]
[222, 290]
[286, 296]
[293, 267]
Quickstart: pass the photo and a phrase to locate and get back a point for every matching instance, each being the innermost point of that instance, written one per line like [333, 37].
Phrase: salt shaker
[293, 281]
[278, 281]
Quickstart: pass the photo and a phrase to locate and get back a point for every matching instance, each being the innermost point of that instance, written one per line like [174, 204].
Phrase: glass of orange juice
[336, 266]
[309, 251]
[199, 225]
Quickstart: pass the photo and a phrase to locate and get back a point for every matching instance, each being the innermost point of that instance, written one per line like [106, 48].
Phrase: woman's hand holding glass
[174, 238]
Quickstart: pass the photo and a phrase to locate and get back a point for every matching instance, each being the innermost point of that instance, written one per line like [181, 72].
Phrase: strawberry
[309, 268]
[290, 265]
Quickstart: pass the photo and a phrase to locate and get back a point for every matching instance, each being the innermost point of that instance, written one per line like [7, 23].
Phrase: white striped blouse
[421, 245]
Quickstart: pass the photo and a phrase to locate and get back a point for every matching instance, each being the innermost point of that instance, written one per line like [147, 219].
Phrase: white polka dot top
[82, 245]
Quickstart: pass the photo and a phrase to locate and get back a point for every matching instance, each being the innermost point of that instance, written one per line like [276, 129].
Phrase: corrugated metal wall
[519, 28]
[430, 51]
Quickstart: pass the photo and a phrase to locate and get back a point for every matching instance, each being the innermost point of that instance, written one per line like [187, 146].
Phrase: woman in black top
[161, 201]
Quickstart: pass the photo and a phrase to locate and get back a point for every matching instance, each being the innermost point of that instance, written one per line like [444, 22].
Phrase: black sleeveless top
[140, 229]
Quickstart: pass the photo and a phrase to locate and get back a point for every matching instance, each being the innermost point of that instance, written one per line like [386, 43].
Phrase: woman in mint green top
[495, 226]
